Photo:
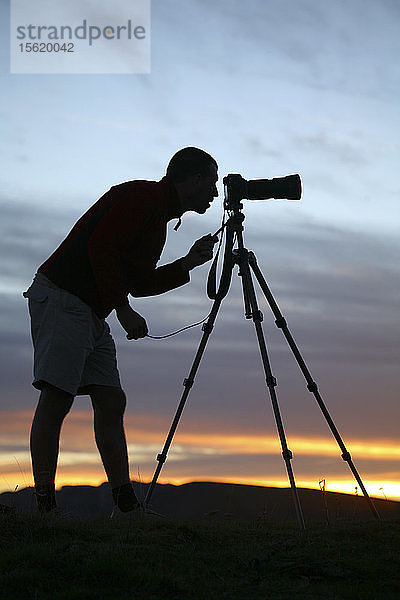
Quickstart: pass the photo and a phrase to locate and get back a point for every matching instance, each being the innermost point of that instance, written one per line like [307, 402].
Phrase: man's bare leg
[54, 404]
[109, 406]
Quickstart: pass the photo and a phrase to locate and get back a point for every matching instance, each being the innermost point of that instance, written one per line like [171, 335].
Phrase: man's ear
[193, 178]
[197, 178]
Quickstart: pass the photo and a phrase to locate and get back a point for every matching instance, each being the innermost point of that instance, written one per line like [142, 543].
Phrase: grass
[60, 558]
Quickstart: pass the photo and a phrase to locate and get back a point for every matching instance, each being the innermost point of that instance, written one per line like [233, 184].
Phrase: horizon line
[182, 482]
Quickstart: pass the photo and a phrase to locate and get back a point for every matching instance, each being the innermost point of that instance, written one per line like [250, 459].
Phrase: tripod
[247, 264]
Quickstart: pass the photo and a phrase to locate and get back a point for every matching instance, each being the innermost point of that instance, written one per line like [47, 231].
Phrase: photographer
[112, 251]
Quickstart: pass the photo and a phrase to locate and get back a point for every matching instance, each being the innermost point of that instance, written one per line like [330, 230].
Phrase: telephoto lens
[288, 187]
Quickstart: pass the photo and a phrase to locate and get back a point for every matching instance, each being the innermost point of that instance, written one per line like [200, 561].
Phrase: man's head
[194, 174]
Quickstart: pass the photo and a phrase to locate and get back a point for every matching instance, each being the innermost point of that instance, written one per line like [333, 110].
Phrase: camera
[237, 188]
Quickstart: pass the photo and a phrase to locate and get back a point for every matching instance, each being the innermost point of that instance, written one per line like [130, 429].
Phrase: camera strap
[212, 274]
[212, 278]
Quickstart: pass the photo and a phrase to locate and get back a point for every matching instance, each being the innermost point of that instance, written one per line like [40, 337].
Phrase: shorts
[73, 347]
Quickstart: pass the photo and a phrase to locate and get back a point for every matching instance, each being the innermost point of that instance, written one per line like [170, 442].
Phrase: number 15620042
[49, 47]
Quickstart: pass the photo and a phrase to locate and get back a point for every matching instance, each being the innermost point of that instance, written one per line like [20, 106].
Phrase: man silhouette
[111, 251]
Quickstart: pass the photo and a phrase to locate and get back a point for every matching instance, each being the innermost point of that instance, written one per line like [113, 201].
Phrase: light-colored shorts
[73, 347]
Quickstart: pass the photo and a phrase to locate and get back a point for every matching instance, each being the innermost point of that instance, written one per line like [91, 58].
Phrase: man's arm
[133, 323]
[157, 280]
[201, 251]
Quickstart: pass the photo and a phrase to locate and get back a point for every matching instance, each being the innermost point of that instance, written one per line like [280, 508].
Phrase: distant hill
[217, 500]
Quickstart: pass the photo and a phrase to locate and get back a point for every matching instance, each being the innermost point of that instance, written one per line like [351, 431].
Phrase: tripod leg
[248, 313]
[311, 385]
[249, 293]
[188, 383]
[226, 277]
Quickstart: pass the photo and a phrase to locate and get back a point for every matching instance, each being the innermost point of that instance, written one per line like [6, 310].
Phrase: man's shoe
[139, 512]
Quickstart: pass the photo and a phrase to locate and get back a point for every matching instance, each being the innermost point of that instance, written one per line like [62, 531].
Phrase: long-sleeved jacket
[113, 249]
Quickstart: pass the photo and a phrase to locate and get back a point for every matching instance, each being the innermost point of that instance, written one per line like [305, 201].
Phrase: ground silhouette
[219, 500]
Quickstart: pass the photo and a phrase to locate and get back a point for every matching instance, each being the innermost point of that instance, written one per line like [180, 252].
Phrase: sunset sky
[268, 88]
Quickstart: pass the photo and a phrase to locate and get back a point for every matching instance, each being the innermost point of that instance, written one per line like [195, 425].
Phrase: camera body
[237, 188]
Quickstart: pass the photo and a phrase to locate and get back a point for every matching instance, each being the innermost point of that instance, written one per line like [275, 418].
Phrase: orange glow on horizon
[145, 430]
[379, 450]
[384, 490]
[80, 464]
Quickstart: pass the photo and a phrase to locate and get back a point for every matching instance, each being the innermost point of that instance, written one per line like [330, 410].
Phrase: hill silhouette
[219, 500]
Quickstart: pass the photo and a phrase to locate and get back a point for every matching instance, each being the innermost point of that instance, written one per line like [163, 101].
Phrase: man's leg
[51, 410]
[109, 407]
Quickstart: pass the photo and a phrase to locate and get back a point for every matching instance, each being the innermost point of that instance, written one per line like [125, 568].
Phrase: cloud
[313, 45]
[336, 287]
[202, 454]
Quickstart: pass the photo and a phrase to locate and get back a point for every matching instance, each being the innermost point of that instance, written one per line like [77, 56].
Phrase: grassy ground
[152, 558]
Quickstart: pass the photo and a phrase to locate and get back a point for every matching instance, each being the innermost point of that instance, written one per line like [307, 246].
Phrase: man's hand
[200, 252]
[133, 323]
